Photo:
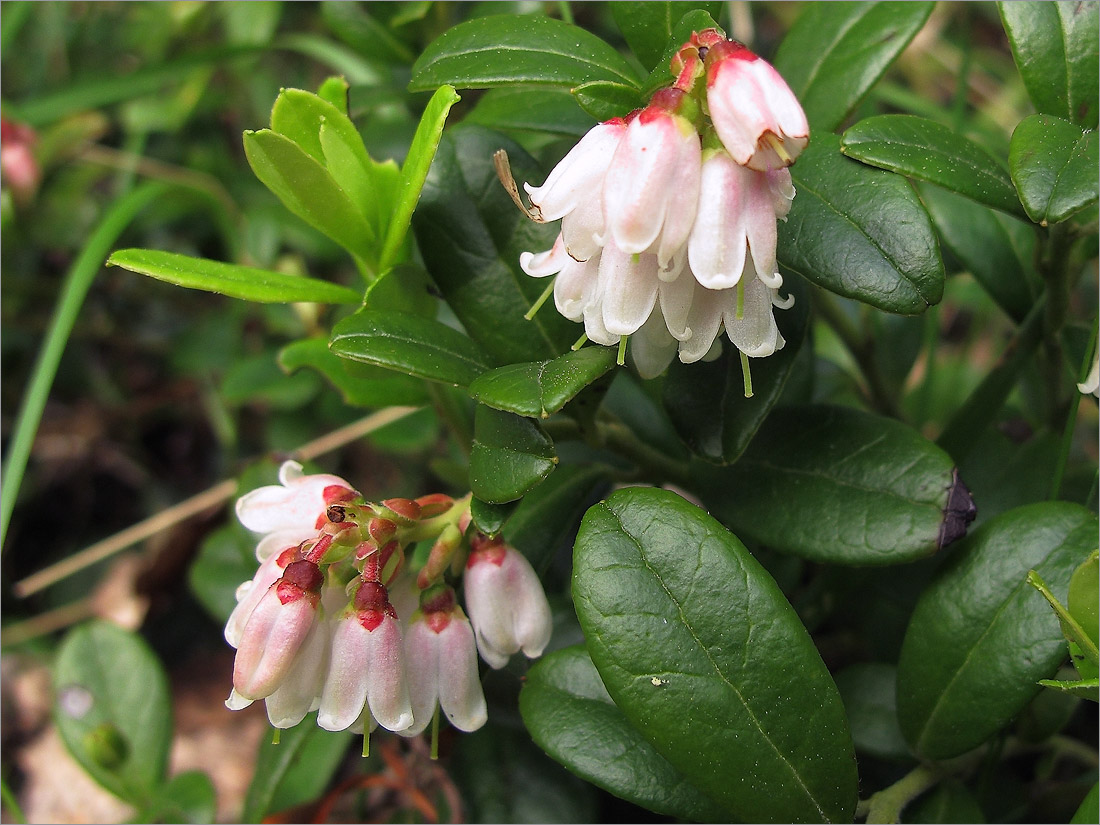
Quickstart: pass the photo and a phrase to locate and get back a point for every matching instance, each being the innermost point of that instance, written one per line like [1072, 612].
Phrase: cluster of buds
[335, 620]
[669, 214]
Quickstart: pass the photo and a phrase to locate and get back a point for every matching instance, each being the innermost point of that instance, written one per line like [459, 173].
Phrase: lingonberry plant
[779, 512]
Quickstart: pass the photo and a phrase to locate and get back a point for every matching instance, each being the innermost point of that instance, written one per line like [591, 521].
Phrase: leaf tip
[958, 512]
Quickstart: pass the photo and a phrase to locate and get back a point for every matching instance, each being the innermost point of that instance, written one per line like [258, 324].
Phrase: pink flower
[276, 630]
[579, 174]
[366, 666]
[755, 113]
[300, 690]
[442, 666]
[651, 189]
[288, 512]
[250, 593]
[506, 603]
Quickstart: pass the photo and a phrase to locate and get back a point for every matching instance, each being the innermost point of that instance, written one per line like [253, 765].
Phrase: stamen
[777, 146]
[740, 312]
[580, 342]
[504, 173]
[435, 733]
[621, 358]
[746, 373]
[535, 307]
[275, 737]
[366, 737]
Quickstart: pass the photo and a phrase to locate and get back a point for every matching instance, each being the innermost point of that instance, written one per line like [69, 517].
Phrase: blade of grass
[77, 282]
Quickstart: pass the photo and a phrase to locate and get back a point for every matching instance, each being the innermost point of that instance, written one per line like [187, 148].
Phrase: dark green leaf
[490, 518]
[835, 52]
[352, 24]
[554, 111]
[418, 346]
[414, 171]
[258, 379]
[647, 27]
[982, 242]
[118, 729]
[379, 387]
[571, 716]
[309, 190]
[245, 282]
[926, 150]
[706, 401]
[511, 455]
[981, 637]
[296, 770]
[605, 99]
[405, 288]
[547, 518]
[511, 49]
[838, 485]
[1056, 47]
[868, 691]
[471, 236]
[684, 627]
[1082, 603]
[225, 559]
[860, 232]
[1053, 163]
[949, 802]
[541, 389]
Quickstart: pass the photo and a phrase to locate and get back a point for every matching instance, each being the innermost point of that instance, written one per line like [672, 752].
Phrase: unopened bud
[305, 575]
[338, 494]
[438, 599]
[439, 556]
[434, 504]
[405, 511]
[381, 530]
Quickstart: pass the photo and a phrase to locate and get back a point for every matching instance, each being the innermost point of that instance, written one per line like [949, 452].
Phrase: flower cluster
[669, 215]
[335, 621]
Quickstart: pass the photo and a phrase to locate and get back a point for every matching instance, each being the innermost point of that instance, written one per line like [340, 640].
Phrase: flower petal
[628, 286]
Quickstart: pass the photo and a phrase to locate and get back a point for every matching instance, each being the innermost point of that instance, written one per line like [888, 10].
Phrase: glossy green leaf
[490, 518]
[334, 90]
[307, 189]
[119, 730]
[418, 346]
[868, 691]
[706, 401]
[926, 150]
[471, 236]
[1056, 47]
[835, 52]
[404, 288]
[379, 387]
[517, 49]
[839, 485]
[983, 242]
[980, 637]
[605, 99]
[1080, 688]
[547, 518]
[647, 27]
[295, 771]
[686, 629]
[860, 232]
[571, 716]
[414, 171]
[299, 115]
[541, 389]
[510, 455]
[244, 282]
[370, 186]
[1053, 163]
[554, 111]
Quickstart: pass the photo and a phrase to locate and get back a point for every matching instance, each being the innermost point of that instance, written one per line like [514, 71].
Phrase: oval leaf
[512, 49]
[604, 99]
[923, 149]
[471, 236]
[835, 52]
[119, 730]
[554, 111]
[706, 401]
[245, 282]
[571, 716]
[539, 390]
[510, 455]
[408, 343]
[1053, 164]
[379, 388]
[852, 488]
[981, 637]
[702, 653]
[1055, 46]
[647, 26]
[307, 189]
[860, 232]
